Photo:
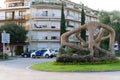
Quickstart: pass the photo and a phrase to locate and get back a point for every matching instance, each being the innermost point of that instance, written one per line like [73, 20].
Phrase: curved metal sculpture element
[94, 40]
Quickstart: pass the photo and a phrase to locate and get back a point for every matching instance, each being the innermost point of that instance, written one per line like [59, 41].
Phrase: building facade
[16, 11]
[42, 19]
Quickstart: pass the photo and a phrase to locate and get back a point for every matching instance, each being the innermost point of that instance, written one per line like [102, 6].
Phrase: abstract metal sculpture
[94, 40]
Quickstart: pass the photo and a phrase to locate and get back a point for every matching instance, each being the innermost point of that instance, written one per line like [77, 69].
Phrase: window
[45, 13]
[46, 37]
[69, 25]
[21, 14]
[53, 14]
[26, 3]
[10, 15]
[68, 12]
[52, 26]
[53, 37]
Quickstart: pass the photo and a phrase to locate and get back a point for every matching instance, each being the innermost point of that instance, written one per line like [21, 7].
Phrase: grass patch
[53, 67]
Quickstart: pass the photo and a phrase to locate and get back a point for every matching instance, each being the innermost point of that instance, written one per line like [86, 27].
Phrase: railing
[58, 3]
[69, 17]
[51, 38]
[45, 3]
[45, 27]
[49, 17]
[13, 0]
[22, 17]
[45, 38]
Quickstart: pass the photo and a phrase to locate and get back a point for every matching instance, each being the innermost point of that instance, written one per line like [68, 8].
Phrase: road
[23, 63]
[18, 69]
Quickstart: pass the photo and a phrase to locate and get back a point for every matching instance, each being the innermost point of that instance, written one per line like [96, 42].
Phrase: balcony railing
[69, 17]
[13, 0]
[22, 17]
[50, 38]
[49, 17]
[57, 3]
[45, 27]
[45, 38]
[45, 3]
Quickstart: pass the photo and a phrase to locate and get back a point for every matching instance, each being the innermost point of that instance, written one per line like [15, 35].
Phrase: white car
[55, 52]
[42, 52]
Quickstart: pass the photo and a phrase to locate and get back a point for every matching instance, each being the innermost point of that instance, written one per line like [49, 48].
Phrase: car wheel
[25, 56]
[46, 56]
[51, 56]
[33, 56]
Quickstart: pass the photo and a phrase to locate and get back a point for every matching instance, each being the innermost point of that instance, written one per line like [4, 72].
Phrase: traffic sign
[5, 38]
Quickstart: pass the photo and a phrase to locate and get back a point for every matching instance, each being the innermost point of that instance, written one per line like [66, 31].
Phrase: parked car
[55, 52]
[27, 54]
[47, 53]
[116, 47]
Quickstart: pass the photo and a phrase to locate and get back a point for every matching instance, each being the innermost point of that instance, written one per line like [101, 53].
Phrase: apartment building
[42, 19]
[45, 17]
[16, 11]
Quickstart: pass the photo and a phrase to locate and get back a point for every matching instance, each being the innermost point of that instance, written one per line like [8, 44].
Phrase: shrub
[85, 59]
[82, 53]
[64, 58]
[66, 50]
[68, 58]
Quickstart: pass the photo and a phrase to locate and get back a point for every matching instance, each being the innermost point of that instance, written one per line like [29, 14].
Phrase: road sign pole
[3, 50]
[5, 39]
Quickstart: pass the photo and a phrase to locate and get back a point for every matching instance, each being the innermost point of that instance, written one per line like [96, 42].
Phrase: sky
[107, 5]
[1, 3]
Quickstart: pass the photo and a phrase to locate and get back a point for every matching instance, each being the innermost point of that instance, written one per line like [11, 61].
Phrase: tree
[112, 19]
[104, 17]
[115, 16]
[62, 24]
[17, 34]
[83, 32]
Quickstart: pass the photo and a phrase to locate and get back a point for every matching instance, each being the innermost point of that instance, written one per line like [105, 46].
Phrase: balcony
[49, 16]
[50, 4]
[22, 18]
[13, 0]
[45, 27]
[70, 17]
[45, 38]
[45, 3]
[40, 16]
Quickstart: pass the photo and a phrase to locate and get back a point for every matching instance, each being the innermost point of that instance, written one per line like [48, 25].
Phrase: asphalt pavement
[18, 69]
[23, 63]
